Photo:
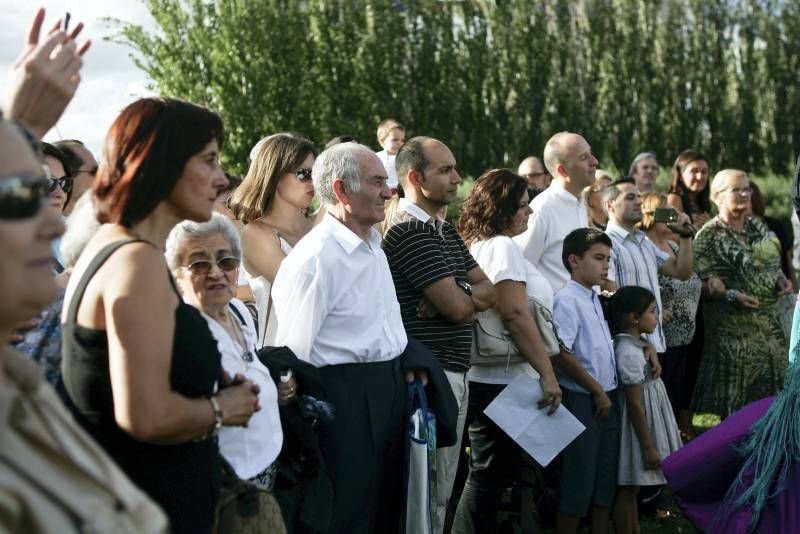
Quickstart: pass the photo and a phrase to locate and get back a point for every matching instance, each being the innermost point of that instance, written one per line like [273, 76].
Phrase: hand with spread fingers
[45, 76]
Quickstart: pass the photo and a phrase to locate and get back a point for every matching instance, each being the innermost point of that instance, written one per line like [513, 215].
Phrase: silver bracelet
[730, 295]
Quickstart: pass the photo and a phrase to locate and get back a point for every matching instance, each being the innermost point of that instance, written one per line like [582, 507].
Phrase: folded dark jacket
[302, 485]
[438, 391]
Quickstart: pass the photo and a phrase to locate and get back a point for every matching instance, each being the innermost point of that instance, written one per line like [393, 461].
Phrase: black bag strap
[88, 274]
[237, 313]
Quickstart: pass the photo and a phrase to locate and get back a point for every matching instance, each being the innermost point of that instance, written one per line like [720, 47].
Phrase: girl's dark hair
[628, 299]
[677, 187]
[491, 205]
[145, 152]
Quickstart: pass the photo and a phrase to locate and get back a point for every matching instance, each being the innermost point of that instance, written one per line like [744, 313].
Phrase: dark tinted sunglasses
[303, 175]
[203, 267]
[22, 196]
[65, 182]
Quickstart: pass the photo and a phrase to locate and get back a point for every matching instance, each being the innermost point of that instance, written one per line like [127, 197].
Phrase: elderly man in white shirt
[336, 307]
[560, 208]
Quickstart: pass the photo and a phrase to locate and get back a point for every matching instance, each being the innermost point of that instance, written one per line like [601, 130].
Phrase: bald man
[560, 208]
[533, 170]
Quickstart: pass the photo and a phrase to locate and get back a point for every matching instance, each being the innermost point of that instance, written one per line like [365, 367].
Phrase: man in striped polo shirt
[439, 285]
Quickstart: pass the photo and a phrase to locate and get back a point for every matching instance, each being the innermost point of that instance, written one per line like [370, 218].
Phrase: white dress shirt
[249, 450]
[335, 300]
[556, 212]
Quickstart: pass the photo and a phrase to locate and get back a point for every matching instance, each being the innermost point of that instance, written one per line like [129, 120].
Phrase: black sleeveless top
[183, 479]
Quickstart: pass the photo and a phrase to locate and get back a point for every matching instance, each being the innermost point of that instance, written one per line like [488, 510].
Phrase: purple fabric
[700, 473]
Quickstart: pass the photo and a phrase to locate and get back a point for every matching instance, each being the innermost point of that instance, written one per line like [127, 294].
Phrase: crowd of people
[189, 322]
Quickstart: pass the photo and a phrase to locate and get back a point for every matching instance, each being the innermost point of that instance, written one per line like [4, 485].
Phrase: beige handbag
[492, 344]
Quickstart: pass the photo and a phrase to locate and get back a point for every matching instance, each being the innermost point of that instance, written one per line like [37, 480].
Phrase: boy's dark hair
[579, 241]
[628, 299]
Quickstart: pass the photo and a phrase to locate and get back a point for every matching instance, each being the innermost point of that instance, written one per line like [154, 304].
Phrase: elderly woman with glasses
[744, 352]
[205, 258]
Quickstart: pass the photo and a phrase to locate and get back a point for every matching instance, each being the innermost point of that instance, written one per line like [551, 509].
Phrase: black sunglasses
[65, 182]
[22, 196]
[303, 175]
[203, 267]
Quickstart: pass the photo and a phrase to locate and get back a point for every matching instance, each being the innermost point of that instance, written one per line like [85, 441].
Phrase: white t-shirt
[249, 450]
[502, 259]
[388, 164]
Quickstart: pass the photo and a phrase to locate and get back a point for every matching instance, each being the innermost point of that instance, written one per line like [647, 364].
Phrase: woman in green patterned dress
[744, 354]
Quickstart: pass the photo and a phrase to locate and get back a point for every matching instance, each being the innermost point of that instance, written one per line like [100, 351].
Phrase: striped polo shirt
[422, 250]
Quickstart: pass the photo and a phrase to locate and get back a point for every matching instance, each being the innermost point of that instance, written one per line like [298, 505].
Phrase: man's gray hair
[82, 224]
[641, 157]
[338, 161]
[183, 232]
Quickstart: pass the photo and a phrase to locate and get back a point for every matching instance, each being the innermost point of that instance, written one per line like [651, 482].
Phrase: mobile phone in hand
[665, 215]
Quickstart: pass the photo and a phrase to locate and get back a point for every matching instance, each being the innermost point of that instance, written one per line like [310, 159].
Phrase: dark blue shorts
[589, 472]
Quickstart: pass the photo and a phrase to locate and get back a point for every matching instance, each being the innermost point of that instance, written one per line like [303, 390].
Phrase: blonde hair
[650, 201]
[722, 179]
[385, 128]
[599, 174]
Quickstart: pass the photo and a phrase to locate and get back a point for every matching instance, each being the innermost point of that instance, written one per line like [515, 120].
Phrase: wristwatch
[466, 287]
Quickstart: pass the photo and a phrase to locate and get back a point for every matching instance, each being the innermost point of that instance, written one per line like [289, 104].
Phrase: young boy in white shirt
[587, 375]
[391, 136]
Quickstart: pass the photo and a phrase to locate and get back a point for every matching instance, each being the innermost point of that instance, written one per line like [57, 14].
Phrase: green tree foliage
[493, 78]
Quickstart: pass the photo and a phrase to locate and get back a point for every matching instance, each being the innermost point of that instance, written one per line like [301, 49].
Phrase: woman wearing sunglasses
[140, 366]
[61, 169]
[273, 203]
[205, 259]
[49, 467]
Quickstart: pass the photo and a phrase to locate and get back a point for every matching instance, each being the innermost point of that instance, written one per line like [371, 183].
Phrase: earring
[636, 322]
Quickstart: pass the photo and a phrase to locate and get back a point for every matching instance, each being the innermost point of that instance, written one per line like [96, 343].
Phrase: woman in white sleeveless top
[273, 203]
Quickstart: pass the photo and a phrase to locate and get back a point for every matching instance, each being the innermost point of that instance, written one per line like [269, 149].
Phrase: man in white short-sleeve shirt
[560, 208]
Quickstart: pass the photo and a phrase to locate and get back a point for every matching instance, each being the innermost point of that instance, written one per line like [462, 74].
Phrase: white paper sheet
[542, 436]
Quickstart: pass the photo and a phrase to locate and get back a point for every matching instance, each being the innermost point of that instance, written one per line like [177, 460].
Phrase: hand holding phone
[665, 215]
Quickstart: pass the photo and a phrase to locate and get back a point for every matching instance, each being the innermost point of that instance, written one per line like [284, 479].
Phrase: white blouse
[502, 259]
[249, 450]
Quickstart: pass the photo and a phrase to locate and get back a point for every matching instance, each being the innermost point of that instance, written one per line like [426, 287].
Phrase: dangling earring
[636, 322]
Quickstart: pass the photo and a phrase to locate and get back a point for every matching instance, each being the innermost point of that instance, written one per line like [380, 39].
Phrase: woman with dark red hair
[141, 369]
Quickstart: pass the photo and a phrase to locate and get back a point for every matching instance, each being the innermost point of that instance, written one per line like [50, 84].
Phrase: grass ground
[675, 523]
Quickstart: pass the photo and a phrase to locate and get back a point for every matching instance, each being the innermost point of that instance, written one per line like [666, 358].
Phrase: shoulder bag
[492, 344]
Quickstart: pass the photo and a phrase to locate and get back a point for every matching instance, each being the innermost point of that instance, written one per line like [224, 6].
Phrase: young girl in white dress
[649, 432]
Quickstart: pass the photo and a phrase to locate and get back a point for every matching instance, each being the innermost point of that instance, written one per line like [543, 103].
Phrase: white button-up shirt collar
[335, 301]
[412, 209]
